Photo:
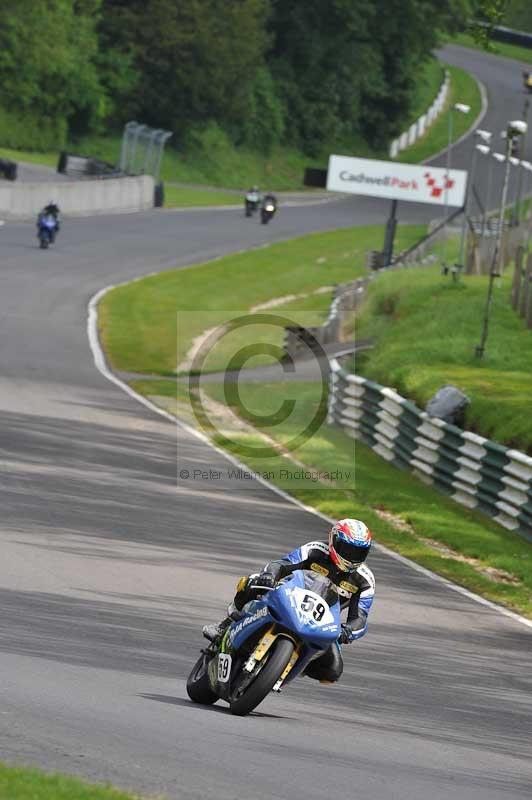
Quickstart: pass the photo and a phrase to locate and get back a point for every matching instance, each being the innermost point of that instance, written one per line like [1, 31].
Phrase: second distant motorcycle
[252, 201]
[268, 208]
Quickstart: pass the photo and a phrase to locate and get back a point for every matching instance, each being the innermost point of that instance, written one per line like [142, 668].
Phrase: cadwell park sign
[412, 182]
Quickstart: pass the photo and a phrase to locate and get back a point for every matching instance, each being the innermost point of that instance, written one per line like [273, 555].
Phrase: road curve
[111, 563]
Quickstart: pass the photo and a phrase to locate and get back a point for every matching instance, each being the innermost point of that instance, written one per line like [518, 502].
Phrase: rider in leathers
[341, 560]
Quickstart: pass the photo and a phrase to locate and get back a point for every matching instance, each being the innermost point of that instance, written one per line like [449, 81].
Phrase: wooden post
[526, 293]
[518, 274]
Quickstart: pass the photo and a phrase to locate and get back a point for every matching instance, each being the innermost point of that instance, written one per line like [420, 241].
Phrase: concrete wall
[77, 198]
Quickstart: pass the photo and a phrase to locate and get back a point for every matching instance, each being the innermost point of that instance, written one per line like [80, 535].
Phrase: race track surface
[110, 565]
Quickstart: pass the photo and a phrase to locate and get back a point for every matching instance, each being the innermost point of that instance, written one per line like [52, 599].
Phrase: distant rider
[253, 195]
[342, 561]
[269, 199]
[52, 210]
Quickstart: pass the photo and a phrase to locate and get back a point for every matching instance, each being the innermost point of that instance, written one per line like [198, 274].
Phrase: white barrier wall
[77, 198]
[419, 127]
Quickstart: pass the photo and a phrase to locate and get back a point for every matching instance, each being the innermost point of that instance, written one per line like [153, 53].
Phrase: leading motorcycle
[270, 645]
[47, 227]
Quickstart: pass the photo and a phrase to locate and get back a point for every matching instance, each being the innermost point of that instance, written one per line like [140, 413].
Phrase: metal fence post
[529, 299]
[525, 292]
[518, 274]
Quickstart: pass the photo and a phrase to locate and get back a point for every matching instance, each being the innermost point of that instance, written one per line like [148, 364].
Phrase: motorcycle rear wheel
[198, 686]
[278, 658]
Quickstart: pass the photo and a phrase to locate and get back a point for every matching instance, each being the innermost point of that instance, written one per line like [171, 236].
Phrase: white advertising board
[412, 182]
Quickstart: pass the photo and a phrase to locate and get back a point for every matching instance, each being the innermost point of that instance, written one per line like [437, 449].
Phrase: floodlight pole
[522, 150]
[497, 260]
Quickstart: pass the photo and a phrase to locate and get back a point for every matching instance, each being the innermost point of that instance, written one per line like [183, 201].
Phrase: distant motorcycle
[268, 208]
[47, 227]
[252, 202]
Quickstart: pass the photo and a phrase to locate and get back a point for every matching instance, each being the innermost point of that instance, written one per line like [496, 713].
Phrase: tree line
[305, 73]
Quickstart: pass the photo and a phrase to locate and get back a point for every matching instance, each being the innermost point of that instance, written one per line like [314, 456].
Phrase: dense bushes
[306, 73]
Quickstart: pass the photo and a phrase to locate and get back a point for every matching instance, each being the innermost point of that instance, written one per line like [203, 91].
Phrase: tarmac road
[110, 565]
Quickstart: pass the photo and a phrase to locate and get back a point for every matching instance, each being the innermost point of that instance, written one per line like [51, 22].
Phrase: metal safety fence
[474, 471]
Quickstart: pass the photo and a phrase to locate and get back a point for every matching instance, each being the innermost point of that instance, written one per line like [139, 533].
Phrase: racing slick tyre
[198, 686]
[268, 676]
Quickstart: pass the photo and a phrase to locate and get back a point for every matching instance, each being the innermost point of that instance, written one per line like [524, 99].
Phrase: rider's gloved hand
[265, 579]
[347, 633]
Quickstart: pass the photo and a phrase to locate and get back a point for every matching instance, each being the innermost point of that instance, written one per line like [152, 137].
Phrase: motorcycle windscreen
[308, 604]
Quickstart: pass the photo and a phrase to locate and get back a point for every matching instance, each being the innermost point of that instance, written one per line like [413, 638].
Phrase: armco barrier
[77, 198]
[474, 471]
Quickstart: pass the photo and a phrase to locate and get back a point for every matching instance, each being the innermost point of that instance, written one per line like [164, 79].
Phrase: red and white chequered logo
[435, 189]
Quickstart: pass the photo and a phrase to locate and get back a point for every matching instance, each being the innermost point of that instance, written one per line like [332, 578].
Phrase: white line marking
[101, 365]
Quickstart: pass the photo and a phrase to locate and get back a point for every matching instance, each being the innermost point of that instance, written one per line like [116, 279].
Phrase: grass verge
[21, 783]
[149, 326]
[502, 49]
[428, 84]
[464, 89]
[180, 197]
[450, 315]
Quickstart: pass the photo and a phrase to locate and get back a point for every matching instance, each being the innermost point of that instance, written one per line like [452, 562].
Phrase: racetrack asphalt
[111, 563]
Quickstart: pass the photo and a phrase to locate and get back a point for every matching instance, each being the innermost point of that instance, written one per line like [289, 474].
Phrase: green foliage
[48, 50]
[264, 122]
[519, 15]
[342, 69]
[33, 131]
[311, 74]
[490, 14]
[197, 58]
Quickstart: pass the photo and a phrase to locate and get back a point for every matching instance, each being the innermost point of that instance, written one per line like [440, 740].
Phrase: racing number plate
[224, 667]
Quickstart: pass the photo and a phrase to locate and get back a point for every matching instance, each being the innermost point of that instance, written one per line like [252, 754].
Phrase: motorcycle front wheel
[277, 659]
[44, 242]
[198, 686]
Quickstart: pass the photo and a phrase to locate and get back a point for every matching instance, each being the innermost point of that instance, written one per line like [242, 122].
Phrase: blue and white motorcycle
[273, 643]
[47, 227]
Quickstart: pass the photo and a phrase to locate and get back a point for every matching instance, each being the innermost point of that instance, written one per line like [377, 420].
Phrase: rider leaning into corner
[342, 561]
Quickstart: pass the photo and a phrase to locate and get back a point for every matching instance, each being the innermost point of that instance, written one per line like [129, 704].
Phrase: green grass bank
[148, 326]
[464, 89]
[22, 783]
[400, 305]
